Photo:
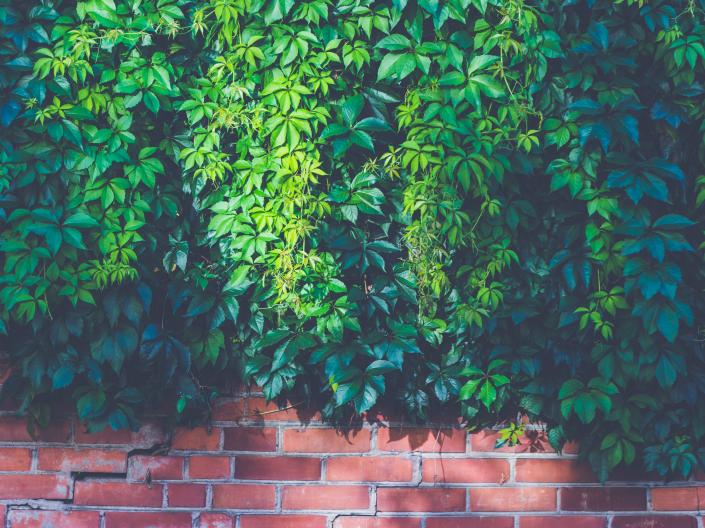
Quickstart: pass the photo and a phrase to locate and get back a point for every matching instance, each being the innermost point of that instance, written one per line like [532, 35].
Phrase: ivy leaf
[63, 377]
[380, 366]
[488, 394]
[397, 66]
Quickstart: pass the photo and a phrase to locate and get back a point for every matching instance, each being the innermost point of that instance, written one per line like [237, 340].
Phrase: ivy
[486, 207]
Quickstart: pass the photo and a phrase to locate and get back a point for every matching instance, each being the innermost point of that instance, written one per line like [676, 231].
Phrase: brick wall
[259, 467]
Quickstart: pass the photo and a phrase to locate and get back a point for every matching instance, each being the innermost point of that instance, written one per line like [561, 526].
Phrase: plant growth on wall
[491, 206]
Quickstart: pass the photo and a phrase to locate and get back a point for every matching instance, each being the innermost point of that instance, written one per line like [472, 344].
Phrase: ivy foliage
[492, 206]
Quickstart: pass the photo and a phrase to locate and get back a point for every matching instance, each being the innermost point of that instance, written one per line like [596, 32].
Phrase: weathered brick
[283, 521]
[325, 498]
[243, 496]
[215, 520]
[259, 410]
[546, 470]
[655, 521]
[187, 495]
[154, 467]
[564, 521]
[326, 440]
[115, 519]
[229, 410]
[603, 499]
[277, 468]
[57, 486]
[420, 500]
[82, 460]
[678, 499]
[470, 522]
[421, 439]
[376, 522]
[512, 499]
[209, 467]
[53, 519]
[369, 469]
[107, 493]
[14, 429]
[197, 439]
[15, 459]
[441, 470]
[149, 435]
[250, 439]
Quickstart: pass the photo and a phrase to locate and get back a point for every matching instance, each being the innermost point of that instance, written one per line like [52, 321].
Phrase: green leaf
[81, 220]
[469, 389]
[585, 408]
[453, 78]
[63, 377]
[672, 222]
[351, 109]
[398, 66]
[488, 394]
[665, 372]
[394, 42]
[667, 323]
[380, 366]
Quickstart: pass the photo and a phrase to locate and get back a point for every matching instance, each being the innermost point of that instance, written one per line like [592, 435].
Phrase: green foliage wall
[491, 206]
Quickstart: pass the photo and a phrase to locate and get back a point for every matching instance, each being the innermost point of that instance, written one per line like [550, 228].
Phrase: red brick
[377, 522]
[318, 440]
[187, 495]
[678, 499]
[571, 448]
[154, 467]
[2, 514]
[369, 469]
[532, 442]
[215, 520]
[544, 470]
[148, 435]
[53, 519]
[512, 499]
[209, 467]
[258, 409]
[82, 460]
[603, 499]
[655, 521]
[14, 429]
[420, 500]
[421, 439]
[250, 439]
[325, 497]
[197, 439]
[15, 459]
[56, 486]
[243, 496]
[147, 520]
[97, 493]
[277, 468]
[283, 521]
[229, 410]
[470, 522]
[565, 521]
[491, 470]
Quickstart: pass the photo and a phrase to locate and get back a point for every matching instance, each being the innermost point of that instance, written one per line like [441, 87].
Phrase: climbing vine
[488, 206]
